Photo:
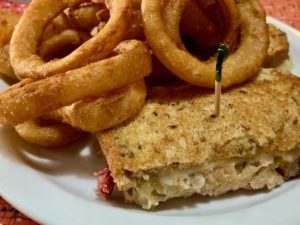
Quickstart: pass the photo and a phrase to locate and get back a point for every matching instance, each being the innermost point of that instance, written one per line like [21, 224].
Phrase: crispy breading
[278, 49]
[8, 21]
[177, 124]
[5, 67]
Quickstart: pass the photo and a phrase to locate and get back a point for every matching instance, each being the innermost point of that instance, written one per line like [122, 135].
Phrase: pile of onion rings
[81, 65]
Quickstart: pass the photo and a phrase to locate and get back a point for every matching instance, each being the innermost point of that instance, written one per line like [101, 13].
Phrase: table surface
[287, 11]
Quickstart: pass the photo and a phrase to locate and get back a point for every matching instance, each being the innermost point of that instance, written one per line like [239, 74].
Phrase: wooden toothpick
[222, 54]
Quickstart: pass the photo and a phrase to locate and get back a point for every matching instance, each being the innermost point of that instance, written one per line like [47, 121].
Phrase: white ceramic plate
[58, 186]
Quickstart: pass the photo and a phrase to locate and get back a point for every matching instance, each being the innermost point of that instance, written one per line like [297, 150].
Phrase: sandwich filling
[265, 170]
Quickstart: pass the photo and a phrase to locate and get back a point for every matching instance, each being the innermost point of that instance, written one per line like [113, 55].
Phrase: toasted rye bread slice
[176, 133]
[278, 50]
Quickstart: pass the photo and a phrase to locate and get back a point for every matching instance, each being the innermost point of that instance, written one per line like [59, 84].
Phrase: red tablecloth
[287, 11]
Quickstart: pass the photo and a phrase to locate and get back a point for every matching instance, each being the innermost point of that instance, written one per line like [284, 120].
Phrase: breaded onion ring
[8, 21]
[56, 26]
[58, 42]
[84, 17]
[172, 12]
[5, 67]
[96, 114]
[18, 104]
[196, 25]
[176, 11]
[231, 23]
[47, 133]
[27, 63]
[278, 50]
[135, 29]
[239, 66]
[98, 1]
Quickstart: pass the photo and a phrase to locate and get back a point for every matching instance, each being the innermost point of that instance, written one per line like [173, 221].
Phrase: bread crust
[177, 126]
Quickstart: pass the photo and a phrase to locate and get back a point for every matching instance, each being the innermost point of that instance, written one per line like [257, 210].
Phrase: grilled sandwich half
[176, 147]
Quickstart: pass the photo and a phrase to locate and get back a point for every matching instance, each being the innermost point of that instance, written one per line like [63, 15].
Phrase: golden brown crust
[41, 96]
[99, 113]
[278, 49]
[176, 125]
[5, 67]
[47, 133]
[8, 21]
